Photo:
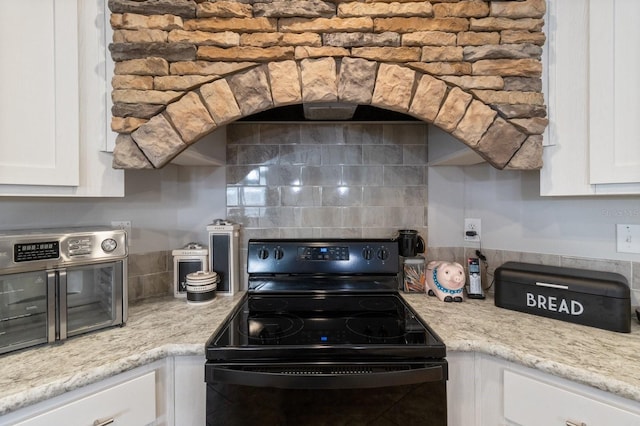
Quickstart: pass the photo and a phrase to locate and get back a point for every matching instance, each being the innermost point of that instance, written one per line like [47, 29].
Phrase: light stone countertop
[156, 329]
[604, 359]
[164, 327]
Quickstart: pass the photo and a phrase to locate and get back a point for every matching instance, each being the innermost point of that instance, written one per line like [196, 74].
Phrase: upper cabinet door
[593, 95]
[39, 124]
[614, 140]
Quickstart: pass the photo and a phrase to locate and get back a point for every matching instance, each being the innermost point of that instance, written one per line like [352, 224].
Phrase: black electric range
[323, 317]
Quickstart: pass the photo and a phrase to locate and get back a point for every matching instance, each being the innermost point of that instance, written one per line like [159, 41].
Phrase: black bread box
[593, 298]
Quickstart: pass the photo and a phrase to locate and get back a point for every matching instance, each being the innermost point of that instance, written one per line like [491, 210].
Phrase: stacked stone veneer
[184, 67]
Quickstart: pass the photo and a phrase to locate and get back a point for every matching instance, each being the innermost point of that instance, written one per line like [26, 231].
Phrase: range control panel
[347, 256]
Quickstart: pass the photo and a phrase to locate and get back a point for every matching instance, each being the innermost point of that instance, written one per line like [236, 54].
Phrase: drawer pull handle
[570, 423]
[104, 422]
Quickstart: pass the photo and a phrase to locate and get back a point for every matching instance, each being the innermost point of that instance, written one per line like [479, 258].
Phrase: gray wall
[167, 207]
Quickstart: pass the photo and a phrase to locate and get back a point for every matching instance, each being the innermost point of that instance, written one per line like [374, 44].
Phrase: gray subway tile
[245, 175]
[342, 196]
[404, 175]
[145, 263]
[341, 154]
[362, 175]
[402, 134]
[279, 217]
[300, 154]
[243, 134]
[279, 134]
[232, 196]
[320, 217]
[414, 154]
[321, 175]
[363, 134]
[279, 175]
[258, 154]
[301, 196]
[331, 134]
[382, 154]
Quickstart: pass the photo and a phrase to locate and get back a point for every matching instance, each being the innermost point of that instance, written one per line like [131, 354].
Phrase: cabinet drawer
[130, 403]
[528, 401]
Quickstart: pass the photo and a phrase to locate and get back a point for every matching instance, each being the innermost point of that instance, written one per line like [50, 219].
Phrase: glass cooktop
[323, 325]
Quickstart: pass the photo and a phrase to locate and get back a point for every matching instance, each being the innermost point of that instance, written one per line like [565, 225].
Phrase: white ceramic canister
[201, 287]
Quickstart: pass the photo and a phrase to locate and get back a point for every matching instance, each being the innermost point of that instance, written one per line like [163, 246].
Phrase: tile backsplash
[151, 274]
[344, 180]
[336, 180]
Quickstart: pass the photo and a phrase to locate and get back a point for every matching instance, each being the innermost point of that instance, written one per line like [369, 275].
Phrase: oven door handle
[284, 380]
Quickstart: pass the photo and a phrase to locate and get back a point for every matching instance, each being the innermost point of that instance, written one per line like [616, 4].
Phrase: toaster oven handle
[287, 380]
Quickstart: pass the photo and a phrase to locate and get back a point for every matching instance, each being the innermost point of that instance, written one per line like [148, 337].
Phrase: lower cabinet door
[530, 402]
[129, 403]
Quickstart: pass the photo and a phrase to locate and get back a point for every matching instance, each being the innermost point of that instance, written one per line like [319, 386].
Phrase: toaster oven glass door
[93, 298]
[27, 310]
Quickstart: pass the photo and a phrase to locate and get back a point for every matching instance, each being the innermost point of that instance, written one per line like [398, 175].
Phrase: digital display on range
[25, 252]
[323, 253]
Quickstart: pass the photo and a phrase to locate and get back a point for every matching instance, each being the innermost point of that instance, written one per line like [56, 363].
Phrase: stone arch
[504, 142]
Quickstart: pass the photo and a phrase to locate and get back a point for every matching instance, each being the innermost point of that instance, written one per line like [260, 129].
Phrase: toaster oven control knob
[109, 245]
[263, 253]
[383, 253]
[367, 253]
[278, 253]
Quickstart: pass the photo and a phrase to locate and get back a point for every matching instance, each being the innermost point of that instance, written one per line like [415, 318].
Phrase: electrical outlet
[125, 225]
[628, 238]
[472, 230]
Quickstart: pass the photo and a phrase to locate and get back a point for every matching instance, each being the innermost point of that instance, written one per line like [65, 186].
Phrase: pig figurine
[446, 280]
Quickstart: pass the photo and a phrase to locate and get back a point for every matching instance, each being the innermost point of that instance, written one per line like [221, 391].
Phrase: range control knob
[263, 253]
[278, 253]
[367, 253]
[383, 253]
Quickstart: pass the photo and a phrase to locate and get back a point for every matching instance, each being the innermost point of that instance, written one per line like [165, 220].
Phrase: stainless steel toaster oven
[58, 283]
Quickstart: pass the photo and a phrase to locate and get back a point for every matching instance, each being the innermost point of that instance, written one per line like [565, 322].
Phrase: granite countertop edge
[550, 366]
[77, 380]
[450, 321]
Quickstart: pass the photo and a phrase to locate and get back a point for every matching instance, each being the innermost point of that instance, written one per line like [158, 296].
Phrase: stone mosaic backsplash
[151, 274]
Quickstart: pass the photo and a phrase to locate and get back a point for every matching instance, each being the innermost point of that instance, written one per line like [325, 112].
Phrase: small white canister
[201, 287]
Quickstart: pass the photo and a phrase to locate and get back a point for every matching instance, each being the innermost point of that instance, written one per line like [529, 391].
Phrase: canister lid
[202, 277]
[191, 249]
[414, 260]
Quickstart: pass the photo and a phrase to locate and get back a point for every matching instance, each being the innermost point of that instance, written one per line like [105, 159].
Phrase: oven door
[91, 298]
[27, 310]
[327, 393]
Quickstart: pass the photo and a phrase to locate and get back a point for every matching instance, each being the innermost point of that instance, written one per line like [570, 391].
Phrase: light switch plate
[628, 238]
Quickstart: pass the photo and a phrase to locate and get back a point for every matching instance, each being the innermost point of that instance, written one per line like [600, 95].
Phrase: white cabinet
[532, 401]
[190, 391]
[485, 390]
[510, 394]
[111, 406]
[53, 108]
[614, 88]
[136, 397]
[593, 97]
[39, 86]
